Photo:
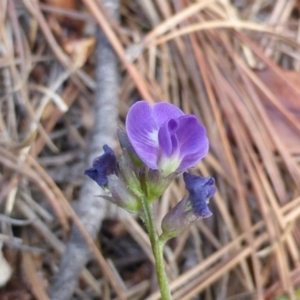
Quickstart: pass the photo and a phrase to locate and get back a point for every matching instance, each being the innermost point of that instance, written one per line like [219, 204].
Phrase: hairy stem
[157, 249]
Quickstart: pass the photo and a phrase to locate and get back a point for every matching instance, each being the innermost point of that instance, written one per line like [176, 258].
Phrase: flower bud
[201, 190]
[178, 219]
[191, 208]
[103, 166]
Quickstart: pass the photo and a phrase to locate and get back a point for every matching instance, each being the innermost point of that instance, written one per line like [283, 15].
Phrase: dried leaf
[80, 50]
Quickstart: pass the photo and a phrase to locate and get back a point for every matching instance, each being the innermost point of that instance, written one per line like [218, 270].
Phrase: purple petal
[188, 161]
[191, 136]
[142, 132]
[103, 166]
[202, 210]
[200, 189]
[192, 140]
[163, 112]
[164, 140]
[168, 142]
[175, 144]
[195, 183]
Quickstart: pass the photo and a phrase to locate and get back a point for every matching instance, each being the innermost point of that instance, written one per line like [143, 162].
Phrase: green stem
[157, 248]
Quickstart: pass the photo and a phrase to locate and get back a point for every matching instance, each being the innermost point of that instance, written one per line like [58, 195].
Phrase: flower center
[169, 158]
[168, 165]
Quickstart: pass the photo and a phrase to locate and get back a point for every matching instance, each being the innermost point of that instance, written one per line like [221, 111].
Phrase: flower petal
[201, 210]
[188, 161]
[103, 166]
[201, 189]
[142, 132]
[167, 140]
[163, 112]
[192, 140]
[191, 136]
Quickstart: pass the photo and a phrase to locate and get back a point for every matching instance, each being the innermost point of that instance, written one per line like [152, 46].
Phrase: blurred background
[70, 70]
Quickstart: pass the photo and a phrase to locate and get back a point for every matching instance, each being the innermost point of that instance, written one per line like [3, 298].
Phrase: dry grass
[233, 64]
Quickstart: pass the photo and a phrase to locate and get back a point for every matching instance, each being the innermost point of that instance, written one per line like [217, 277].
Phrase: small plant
[160, 143]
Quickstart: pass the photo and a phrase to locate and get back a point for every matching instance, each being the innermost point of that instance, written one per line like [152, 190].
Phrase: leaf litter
[234, 64]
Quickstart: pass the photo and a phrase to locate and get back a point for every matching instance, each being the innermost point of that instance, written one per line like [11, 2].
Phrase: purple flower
[103, 166]
[165, 138]
[200, 189]
[190, 208]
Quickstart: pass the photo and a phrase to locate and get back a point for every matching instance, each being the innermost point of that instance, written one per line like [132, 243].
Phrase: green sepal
[157, 183]
[129, 172]
[121, 195]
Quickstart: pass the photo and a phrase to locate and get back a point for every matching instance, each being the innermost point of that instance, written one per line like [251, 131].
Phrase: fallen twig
[92, 210]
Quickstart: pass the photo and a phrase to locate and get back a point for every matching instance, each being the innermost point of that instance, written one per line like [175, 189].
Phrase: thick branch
[92, 210]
